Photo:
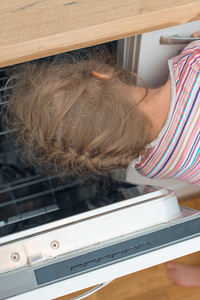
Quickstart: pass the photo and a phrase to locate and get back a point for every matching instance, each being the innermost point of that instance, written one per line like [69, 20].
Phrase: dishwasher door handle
[176, 40]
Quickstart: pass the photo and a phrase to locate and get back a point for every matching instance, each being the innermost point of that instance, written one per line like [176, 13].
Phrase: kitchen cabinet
[31, 29]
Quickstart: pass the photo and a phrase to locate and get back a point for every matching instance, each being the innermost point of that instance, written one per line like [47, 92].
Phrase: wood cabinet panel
[32, 29]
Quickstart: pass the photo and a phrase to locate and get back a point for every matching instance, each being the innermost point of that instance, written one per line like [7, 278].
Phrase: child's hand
[196, 34]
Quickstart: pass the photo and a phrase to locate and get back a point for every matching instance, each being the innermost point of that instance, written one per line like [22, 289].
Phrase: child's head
[70, 120]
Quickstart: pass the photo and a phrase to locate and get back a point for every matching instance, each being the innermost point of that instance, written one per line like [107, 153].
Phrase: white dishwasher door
[153, 68]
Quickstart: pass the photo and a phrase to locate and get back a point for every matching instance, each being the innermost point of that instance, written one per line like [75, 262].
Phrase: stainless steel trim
[176, 39]
[128, 52]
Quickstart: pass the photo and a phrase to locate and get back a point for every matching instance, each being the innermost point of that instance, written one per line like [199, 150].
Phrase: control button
[145, 245]
[117, 254]
[91, 262]
[104, 258]
[131, 250]
[77, 267]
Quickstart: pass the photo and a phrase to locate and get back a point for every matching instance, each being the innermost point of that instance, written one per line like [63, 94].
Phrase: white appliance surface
[113, 271]
[181, 188]
[89, 228]
[123, 263]
[153, 57]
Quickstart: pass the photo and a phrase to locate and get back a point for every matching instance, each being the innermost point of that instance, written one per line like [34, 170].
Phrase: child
[87, 117]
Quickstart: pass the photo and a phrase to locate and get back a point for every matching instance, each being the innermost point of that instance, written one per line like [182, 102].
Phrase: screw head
[15, 257]
[54, 245]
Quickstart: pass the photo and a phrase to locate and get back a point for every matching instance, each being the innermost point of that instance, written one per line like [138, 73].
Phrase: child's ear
[100, 75]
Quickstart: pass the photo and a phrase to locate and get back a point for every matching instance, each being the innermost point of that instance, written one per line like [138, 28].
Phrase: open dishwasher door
[111, 230]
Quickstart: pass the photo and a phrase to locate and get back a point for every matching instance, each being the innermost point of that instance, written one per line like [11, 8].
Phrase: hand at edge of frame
[196, 34]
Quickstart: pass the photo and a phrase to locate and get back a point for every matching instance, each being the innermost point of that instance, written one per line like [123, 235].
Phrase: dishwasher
[60, 237]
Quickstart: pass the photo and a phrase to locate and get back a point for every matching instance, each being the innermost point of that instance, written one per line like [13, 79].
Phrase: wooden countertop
[31, 29]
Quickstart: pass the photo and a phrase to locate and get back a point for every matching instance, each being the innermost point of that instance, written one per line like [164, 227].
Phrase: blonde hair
[68, 120]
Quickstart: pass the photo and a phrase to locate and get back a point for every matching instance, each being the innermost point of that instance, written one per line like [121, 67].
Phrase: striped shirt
[176, 151]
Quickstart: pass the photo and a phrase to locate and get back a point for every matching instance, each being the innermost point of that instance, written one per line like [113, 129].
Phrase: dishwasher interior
[24, 194]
